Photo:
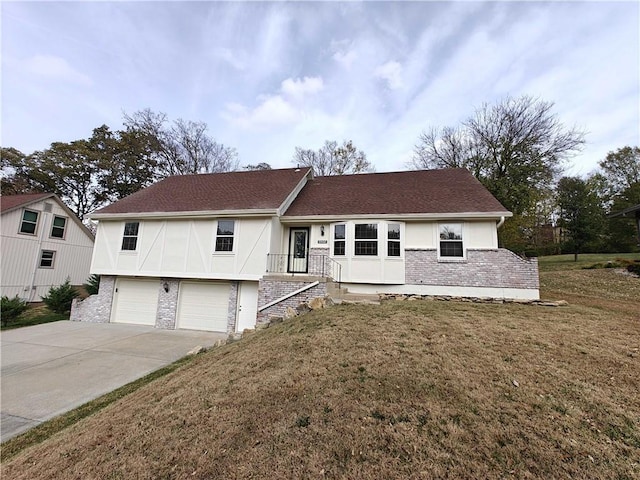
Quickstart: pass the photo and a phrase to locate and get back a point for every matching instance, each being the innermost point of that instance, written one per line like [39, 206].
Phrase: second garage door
[203, 306]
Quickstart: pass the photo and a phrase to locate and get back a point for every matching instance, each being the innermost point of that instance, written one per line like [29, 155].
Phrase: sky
[267, 77]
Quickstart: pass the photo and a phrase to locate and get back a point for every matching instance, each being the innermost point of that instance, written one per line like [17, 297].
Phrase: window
[130, 237]
[451, 240]
[339, 239]
[58, 227]
[393, 240]
[46, 258]
[224, 237]
[366, 239]
[29, 222]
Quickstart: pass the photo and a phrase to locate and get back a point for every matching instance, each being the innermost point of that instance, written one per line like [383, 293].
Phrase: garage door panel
[203, 306]
[136, 301]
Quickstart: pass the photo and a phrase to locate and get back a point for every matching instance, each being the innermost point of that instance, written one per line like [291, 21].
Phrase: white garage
[135, 301]
[203, 306]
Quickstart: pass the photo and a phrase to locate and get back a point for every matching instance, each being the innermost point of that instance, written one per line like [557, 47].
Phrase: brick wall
[167, 303]
[270, 289]
[96, 308]
[498, 268]
[233, 307]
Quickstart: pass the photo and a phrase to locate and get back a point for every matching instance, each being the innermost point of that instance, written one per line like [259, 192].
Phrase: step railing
[316, 265]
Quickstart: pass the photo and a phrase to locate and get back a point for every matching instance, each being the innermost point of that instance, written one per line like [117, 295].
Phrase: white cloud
[345, 59]
[286, 107]
[231, 58]
[297, 88]
[392, 73]
[54, 67]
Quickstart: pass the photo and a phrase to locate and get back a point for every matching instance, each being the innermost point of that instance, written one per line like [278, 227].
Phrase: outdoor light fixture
[322, 230]
[165, 285]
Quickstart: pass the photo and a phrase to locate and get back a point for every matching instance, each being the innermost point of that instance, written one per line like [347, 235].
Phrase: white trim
[288, 295]
[294, 193]
[396, 216]
[441, 290]
[179, 275]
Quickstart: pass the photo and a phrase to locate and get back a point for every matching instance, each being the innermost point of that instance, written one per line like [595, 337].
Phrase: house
[222, 251]
[43, 244]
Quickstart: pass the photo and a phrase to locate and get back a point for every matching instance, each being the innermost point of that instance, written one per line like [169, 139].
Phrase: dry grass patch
[418, 389]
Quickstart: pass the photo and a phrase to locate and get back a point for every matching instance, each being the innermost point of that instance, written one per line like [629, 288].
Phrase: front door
[298, 250]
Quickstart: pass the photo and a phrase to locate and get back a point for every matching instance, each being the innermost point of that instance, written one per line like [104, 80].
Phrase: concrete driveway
[52, 368]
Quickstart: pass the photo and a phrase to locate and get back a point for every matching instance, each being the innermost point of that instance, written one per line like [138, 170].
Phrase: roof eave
[254, 212]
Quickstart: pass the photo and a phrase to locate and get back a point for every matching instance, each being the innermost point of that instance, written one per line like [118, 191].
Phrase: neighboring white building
[222, 251]
[43, 244]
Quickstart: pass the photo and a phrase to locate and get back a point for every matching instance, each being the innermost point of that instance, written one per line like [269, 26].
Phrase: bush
[93, 284]
[634, 268]
[59, 299]
[12, 308]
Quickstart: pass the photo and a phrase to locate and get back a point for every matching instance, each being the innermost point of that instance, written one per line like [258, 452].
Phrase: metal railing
[317, 265]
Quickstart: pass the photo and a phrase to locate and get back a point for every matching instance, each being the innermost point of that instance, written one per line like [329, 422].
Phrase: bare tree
[515, 148]
[333, 159]
[182, 147]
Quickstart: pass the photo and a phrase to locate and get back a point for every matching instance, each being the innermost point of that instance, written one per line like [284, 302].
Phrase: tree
[581, 214]
[181, 147]
[258, 166]
[515, 148]
[69, 170]
[621, 169]
[333, 159]
[11, 183]
[125, 160]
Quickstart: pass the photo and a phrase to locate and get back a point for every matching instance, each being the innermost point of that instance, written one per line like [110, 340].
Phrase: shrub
[634, 268]
[93, 284]
[12, 308]
[59, 299]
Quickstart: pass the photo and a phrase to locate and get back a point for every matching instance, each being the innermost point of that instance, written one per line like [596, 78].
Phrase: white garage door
[203, 306]
[136, 301]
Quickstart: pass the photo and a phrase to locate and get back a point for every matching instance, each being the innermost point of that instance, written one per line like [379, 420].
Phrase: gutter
[288, 295]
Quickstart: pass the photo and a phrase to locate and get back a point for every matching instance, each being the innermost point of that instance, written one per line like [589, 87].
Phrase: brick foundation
[96, 308]
[233, 307]
[496, 268]
[270, 289]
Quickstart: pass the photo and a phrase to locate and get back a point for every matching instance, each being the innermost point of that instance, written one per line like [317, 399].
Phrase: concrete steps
[341, 295]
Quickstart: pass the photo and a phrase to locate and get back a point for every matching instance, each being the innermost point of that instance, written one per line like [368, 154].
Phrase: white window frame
[377, 240]
[233, 237]
[136, 236]
[22, 221]
[399, 241]
[343, 240]
[64, 229]
[446, 258]
[53, 259]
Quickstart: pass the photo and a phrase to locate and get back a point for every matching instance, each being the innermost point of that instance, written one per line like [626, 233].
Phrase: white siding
[20, 254]
[184, 249]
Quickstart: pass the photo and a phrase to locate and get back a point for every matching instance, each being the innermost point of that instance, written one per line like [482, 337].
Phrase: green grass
[35, 316]
[565, 262]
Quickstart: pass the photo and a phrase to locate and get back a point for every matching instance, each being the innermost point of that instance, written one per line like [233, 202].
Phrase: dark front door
[298, 250]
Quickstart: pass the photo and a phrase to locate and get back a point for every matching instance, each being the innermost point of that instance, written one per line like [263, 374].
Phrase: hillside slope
[417, 389]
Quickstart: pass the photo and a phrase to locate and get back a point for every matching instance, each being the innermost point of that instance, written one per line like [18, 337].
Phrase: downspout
[500, 222]
[43, 230]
